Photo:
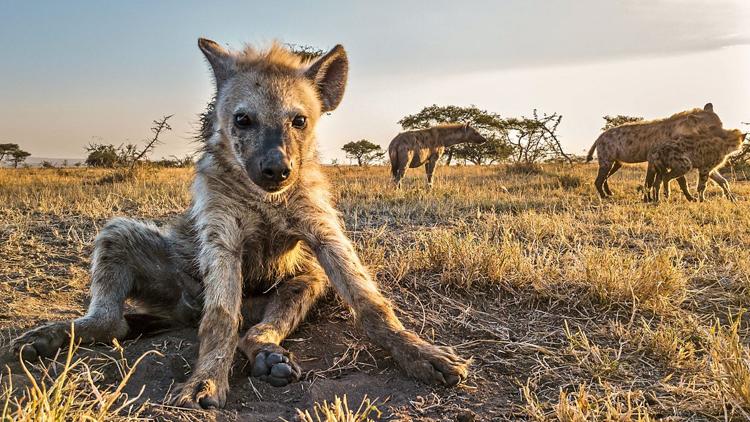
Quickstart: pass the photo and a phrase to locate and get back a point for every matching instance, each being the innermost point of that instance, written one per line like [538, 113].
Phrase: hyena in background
[261, 219]
[631, 142]
[672, 159]
[416, 148]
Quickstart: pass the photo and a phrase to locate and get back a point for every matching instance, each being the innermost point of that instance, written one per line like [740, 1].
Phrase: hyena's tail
[393, 156]
[145, 324]
[591, 151]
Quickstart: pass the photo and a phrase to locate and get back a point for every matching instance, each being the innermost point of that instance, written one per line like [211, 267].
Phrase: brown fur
[247, 233]
[675, 157]
[631, 142]
[416, 148]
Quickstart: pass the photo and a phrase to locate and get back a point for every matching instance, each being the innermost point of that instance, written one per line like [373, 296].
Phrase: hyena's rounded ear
[329, 74]
[221, 60]
[708, 107]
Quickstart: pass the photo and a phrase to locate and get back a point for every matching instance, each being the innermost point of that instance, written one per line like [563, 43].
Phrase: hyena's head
[471, 135]
[699, 122]
[267, 105]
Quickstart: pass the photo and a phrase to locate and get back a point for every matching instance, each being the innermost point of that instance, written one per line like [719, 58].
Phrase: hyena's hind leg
[616, 166]
[286, 308]
[604, 168]
[131, 260]
[723, 184]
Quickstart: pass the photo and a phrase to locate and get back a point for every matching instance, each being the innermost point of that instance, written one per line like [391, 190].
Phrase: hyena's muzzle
[272, 166]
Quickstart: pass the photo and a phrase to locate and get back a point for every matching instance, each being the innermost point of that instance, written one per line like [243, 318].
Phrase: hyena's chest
[269, 256]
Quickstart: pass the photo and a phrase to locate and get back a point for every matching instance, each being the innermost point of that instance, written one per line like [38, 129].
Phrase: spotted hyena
[631, 142]
[261, 220]
[424, 147]
[673, 158]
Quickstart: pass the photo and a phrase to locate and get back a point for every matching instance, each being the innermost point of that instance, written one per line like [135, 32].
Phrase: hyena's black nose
[276, 170]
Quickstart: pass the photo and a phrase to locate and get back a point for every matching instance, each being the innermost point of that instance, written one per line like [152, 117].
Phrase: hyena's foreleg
[682, 181]
[430, 169]
[286, 308]
[131, 260]
[702, 180]
[220, 263]
[420, 359]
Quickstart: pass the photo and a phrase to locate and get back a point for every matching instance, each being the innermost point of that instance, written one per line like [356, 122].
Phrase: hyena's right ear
[221, 60]
[329, 74]
[708, 107]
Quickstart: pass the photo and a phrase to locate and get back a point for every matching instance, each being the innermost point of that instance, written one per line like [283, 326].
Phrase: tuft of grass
[729, 363]
[71, 393]
[338, 411]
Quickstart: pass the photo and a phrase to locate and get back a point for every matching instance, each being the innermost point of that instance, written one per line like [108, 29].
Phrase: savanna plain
[572, 308]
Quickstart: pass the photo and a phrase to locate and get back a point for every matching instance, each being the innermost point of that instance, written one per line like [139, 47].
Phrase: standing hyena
[631, 142]
[673, 158]
[261, 219]
[425, 147]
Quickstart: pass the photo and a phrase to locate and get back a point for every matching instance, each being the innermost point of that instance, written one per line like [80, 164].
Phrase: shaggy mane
[274, 58]
[675, 116]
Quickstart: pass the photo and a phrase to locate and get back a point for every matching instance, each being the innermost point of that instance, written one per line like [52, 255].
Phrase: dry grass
[69, 390]
[338, 411]
[573, 308]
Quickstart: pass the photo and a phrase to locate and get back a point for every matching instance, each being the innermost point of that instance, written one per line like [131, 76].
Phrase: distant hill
[57, 162]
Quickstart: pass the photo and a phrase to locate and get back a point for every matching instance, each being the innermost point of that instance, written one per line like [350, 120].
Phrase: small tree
[6, 150]
[102, 155]
[18, 156]
[364, 151]
[619, 120]
[535, 139]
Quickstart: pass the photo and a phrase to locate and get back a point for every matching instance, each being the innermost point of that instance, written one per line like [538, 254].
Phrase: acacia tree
[18, 156]
[520, 139]
[7, 149]
[535, 138]
[364, 151]
[619, 120]
[490, 125]
[108, 155]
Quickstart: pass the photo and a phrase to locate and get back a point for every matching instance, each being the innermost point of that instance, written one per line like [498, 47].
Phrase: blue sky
[76, 72]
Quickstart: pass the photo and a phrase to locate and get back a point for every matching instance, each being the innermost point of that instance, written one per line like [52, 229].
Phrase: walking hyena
[672, 159]
[631, 142]
[261, 219]
[425, 147]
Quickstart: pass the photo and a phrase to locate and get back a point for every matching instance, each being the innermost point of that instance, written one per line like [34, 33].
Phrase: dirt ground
[571, 308]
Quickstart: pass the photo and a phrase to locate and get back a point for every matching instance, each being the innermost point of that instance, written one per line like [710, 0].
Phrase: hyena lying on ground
[674, 158]
[261, 219]
[416, 148]
[631, 142]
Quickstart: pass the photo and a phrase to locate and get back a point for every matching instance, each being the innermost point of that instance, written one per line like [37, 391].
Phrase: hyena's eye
[242, 121]
[299, 122]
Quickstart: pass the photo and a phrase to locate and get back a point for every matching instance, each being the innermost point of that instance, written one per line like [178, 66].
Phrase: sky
[77, 72]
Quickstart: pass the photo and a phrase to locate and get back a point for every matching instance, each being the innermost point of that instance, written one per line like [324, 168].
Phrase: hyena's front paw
[430, 363]
[199, 393]
[42, 341]
[275, 365]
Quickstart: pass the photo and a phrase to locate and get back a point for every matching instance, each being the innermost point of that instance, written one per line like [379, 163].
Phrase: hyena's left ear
[221, 60]
[708, 107]
[329, 74]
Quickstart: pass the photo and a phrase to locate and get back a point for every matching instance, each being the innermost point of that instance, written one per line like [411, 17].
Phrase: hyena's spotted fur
[261, 220]
[631, 142]
[416, 148]
[674, 158]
